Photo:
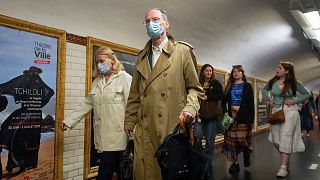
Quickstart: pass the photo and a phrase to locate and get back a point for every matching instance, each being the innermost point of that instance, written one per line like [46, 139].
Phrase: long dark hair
[290, 81]
[231, 79]
[201, 75]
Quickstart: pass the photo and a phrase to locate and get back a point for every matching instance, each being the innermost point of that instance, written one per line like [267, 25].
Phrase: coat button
[159, 136]
[144, 115]
[165, 74]
[160, 115]
[145, 95]
[163, 94]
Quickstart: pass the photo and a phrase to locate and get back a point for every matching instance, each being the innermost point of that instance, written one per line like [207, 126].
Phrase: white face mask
[103, 68]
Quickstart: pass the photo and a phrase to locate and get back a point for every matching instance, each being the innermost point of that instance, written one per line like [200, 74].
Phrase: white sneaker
[283, 172]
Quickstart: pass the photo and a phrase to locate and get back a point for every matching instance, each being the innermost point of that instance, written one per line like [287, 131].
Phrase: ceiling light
[314, 19]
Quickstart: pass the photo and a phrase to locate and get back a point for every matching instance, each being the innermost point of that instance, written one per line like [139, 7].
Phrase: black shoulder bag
[177, 157]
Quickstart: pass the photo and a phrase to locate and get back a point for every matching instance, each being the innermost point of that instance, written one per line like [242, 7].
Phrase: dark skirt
[236, 138]
[306, 122]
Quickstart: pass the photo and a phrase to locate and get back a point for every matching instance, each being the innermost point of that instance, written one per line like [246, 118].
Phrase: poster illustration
[261, 104]
[28, 76]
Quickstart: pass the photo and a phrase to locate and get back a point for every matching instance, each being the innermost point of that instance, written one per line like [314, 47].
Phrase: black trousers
[109, 164]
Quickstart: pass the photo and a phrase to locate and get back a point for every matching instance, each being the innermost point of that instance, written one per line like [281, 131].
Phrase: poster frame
[60, 35]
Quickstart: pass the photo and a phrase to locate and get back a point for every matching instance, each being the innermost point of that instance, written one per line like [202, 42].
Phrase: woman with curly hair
[238, 103]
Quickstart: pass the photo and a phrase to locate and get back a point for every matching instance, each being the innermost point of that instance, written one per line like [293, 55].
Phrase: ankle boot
[234, 168]
[246, 157]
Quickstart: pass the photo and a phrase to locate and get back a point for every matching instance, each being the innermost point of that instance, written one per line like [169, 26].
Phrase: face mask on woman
[154, 29]
[103, 67]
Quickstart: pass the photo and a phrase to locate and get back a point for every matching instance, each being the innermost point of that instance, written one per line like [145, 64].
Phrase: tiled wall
[73, 149]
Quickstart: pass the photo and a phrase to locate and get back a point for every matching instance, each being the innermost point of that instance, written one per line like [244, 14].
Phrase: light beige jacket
[108, 101]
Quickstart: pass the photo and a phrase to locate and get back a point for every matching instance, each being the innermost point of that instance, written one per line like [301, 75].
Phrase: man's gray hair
[163, 12]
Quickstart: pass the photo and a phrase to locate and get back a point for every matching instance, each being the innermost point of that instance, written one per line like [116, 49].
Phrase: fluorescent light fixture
[317, 33]
[314, 19]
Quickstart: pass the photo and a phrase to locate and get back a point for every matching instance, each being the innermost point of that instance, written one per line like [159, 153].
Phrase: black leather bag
[126, 163]
[179, 160]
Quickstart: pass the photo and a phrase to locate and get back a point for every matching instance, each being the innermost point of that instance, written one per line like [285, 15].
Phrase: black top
[246, 112]
[214, 92]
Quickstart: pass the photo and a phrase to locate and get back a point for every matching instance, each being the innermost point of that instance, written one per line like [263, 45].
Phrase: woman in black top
[206, 126]
[239, 104]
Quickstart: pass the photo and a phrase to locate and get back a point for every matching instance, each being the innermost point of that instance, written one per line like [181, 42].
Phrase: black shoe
[246, 157]
[9, 169]
[246, 160]
[234, 168]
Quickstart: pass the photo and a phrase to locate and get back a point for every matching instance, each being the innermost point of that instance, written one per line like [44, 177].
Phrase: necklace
[281, 84]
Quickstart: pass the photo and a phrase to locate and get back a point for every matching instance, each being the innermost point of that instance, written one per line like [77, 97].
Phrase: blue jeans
[207, 129]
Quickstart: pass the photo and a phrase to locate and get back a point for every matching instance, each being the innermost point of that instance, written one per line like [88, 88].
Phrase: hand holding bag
[126, 162]
[177, 157]
[226, 122]
[276, 117]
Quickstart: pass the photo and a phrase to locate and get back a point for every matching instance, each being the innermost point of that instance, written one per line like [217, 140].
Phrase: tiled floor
[266, 161]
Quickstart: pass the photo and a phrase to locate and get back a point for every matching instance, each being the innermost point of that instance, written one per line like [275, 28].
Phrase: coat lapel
[144, 68]
[161, 65]
[163, 62]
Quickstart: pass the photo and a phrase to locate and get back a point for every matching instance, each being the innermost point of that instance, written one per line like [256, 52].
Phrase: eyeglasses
[154, 20]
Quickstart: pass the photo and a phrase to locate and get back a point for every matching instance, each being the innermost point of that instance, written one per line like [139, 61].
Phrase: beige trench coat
[108, 101]
[157, 98]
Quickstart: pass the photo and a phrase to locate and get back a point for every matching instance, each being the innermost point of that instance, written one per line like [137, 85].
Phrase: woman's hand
[288, 102]
[129, 133]
[205, 97]
[270, 102]
[64, 126]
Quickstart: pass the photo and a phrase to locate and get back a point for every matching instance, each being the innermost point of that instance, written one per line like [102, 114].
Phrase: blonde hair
[103, 50]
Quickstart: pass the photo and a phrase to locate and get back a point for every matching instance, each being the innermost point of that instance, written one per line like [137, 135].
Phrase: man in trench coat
[164, 87]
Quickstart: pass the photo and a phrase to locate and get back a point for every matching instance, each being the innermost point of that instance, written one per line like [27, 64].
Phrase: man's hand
[187, 117]
[129, 132]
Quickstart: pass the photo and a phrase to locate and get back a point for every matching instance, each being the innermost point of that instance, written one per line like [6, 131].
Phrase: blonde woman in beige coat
[162, 90]
[108, 98]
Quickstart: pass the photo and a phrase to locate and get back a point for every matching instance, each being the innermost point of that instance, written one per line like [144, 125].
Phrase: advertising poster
[261, 104]
[28, 75]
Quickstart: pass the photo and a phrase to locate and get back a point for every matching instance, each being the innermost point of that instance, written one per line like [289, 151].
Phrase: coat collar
[162, 63]
[102, 82]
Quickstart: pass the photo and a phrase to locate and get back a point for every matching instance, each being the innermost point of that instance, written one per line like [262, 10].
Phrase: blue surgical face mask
[103, 67]
[154, 29]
